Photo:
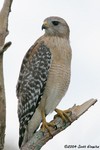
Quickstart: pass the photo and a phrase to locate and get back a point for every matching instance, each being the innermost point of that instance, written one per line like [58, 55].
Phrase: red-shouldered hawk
[44, 77]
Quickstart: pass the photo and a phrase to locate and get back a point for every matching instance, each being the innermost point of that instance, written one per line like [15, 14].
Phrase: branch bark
[40, 138]
[4, 13]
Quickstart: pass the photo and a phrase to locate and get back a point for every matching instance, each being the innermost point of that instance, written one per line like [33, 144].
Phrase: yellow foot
[46, 125]
[63, 115]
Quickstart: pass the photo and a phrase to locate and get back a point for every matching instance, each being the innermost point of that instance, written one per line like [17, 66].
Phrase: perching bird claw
[63, 114]
[46, 125]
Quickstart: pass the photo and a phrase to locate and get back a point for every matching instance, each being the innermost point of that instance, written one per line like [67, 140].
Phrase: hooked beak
[45, 25]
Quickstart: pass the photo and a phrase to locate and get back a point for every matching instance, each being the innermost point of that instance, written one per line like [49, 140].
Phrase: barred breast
[59, 74]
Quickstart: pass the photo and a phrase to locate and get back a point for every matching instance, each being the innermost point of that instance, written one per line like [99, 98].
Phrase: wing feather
[31, 84]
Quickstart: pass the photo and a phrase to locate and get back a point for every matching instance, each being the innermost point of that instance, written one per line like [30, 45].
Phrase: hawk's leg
[63, 114]
[46, 125]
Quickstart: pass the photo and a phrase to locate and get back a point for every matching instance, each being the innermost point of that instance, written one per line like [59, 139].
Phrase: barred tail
[21, 135]
[26, 131]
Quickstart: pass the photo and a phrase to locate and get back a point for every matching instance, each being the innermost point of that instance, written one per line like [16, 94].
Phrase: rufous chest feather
[59, 73]
[60, 50]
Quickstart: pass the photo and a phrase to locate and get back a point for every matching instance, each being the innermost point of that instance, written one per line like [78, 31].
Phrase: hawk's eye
[55, 23]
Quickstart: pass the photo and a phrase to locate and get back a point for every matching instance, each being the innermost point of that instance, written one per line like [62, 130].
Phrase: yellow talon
[63, 114]
[46, 125]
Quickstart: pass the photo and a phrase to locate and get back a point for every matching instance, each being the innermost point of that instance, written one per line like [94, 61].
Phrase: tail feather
[34, 123]
[21, 135]
[26, 132]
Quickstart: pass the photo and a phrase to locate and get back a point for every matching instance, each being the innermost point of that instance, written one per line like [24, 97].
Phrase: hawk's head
[56, 26]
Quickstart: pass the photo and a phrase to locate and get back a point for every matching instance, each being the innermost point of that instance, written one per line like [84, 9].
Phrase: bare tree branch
[40, 138]
[4, 13]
